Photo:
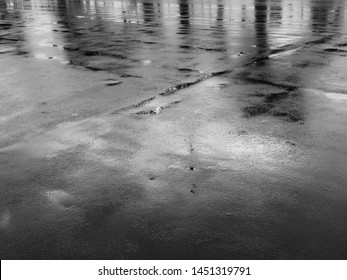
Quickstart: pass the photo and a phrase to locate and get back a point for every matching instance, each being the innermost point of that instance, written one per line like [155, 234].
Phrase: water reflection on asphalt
[173, 129]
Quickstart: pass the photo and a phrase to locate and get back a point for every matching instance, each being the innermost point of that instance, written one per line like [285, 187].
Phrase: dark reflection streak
[184, 17]
[76, 5]
[3, 9]
[260, 26]
[13, 35]
[339, 13]
[326, 16]
[337, 17]
[276, 12]
[220, 13]
[62, 9]
[151, 17]
[319, 17]
[148, 11]
[244, 13]
[220, 32]
[184, 28]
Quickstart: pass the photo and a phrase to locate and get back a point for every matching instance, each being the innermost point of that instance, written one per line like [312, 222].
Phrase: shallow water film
[173, 129]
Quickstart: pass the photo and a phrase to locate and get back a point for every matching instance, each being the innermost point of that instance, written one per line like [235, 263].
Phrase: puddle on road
[212, 34]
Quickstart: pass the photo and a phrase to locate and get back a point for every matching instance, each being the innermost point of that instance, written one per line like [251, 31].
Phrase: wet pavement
[173, 129]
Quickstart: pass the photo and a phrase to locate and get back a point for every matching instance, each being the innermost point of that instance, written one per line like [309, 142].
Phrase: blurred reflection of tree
[12, 34]
[184, 17]
[3, 8]
[326, 16]
[220, 13]
[260, 26]
[152, 17]
[275, 11]
[148, 11]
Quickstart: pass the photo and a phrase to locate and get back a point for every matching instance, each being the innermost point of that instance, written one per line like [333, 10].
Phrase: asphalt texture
[173, 130]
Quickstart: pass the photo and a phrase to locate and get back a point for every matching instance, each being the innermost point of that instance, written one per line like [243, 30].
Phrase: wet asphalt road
[173, 130]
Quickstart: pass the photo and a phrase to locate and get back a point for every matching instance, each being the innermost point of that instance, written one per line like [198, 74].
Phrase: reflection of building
[326, 16]
[124, 25]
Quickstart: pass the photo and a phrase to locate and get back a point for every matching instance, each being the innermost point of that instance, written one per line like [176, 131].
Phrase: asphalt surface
[193, 132]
